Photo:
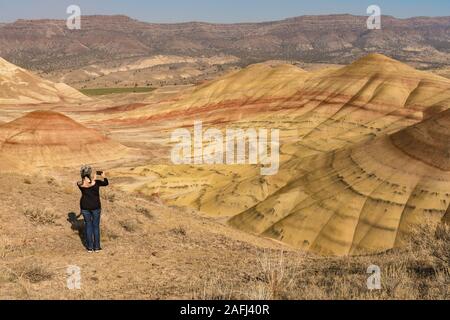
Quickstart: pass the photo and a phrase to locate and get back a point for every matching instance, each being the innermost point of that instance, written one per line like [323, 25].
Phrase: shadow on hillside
[77, 225]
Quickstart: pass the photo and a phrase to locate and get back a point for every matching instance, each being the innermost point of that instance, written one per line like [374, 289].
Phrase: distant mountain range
[48, 45]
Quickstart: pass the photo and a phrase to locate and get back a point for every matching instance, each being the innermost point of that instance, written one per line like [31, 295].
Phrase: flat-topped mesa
[47, 139]
[428, 141]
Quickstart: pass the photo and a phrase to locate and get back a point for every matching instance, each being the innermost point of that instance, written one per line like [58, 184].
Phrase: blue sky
[217, 10]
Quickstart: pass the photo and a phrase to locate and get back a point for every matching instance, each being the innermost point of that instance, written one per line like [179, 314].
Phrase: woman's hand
[103, 174]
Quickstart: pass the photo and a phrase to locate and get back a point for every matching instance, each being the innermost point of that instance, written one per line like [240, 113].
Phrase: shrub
[180, 231]
[129, 225]
[108, 195]
[30, 270]
[40, 216]
[146, 212]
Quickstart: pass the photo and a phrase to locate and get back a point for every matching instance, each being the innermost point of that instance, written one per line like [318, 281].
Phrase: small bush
[40, 216]
[5, 248]
[277, 278]
[146, 212]
[108, 196]
[180, 231]
[36, 273]
[129, 225]
[109, 234]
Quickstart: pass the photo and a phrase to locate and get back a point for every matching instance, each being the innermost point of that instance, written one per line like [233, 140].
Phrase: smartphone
[99, 173]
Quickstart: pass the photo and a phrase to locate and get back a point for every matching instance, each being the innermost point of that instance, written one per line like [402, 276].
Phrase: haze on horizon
[230, 11]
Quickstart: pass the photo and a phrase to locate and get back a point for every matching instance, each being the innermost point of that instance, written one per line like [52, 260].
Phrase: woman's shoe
[98, 250]
[90, 250]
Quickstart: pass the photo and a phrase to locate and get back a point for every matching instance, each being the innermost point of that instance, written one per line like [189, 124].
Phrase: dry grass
[130, 226]
[419, 271]
[108, 195]
[109, 234]
[29, 270]
[144, 211]
[35, 272]
[178, 231]
[40, 216]
[5, 248]
[277, 277]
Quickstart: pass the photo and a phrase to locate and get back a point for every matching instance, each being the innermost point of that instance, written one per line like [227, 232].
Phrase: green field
[105, 91]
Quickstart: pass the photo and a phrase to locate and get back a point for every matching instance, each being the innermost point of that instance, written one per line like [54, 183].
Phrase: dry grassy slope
[362, 199]
[18, 86]
[151, 250]
[47, 138]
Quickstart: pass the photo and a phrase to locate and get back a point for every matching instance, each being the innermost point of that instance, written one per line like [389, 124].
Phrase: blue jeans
[92, 228]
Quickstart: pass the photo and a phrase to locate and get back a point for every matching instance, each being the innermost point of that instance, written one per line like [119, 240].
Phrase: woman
[90, 206]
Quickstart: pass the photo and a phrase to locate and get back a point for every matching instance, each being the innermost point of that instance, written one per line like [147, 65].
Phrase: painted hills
[50, 139]
[354, 174]
[362, 199]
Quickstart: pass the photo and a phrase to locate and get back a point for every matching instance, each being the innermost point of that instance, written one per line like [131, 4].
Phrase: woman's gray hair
[85, 172]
